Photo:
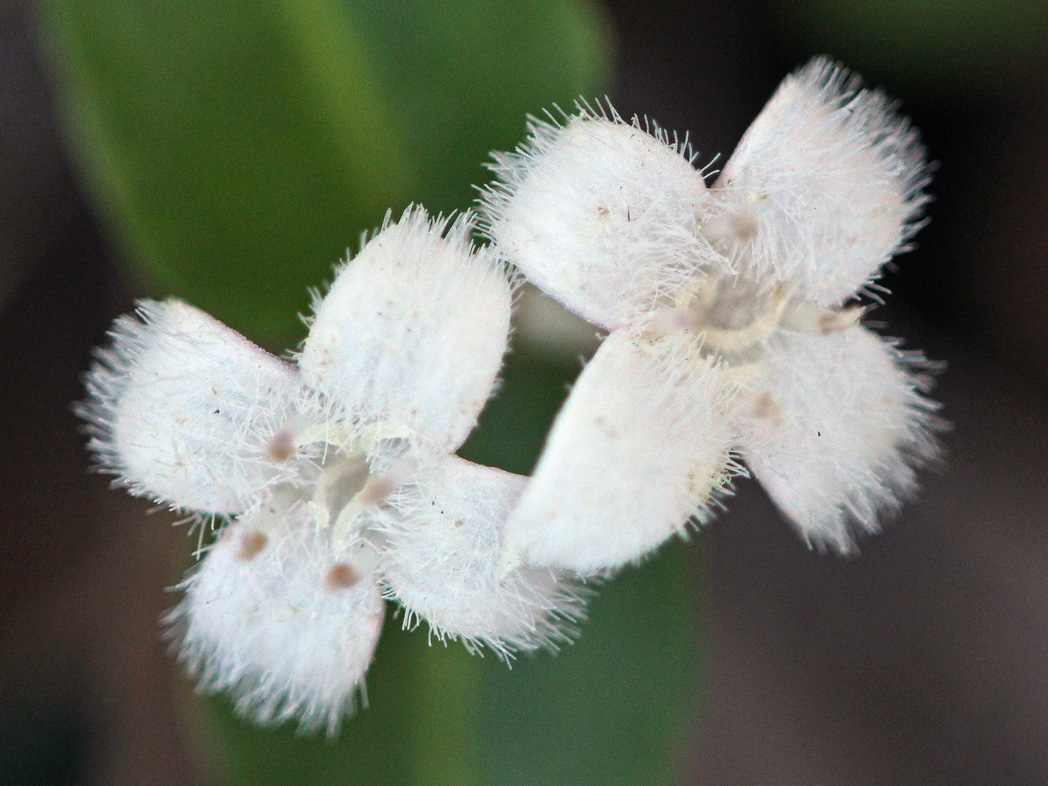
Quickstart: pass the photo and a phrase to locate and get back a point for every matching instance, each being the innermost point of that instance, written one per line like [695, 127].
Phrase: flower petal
[824, 187]
[640, 446]
[412, 331]
[280, 618]
[181, 408]
[442, 562]
[841, 426]
[600, 215]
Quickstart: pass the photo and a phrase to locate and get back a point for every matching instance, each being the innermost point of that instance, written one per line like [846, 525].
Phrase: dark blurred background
[922, 661]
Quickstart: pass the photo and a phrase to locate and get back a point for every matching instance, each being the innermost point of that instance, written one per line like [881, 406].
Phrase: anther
[340, 577]
[281, 448]
[830, 322]
[376, 490]
[251, 545]
[767, 408]
[744, 226]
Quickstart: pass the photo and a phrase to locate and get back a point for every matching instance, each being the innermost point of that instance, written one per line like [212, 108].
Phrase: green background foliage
[236, 149]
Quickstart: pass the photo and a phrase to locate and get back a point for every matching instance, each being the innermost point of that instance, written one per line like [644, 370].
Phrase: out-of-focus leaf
[609, 710]
[949, 47]
[237, 149]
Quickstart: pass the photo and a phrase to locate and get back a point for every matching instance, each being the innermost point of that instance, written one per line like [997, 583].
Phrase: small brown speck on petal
[832, 322]
[377, 490]
[745, 227]
[340, 577]
[768, 408]
[281, 448]
[252, 545]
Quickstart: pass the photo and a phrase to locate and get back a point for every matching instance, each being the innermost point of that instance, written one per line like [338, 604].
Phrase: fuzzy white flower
[731, 328]
[337, 472]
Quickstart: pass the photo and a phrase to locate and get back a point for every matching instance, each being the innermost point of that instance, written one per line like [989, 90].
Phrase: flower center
[733, 316]
[339, 475]
[340, 483]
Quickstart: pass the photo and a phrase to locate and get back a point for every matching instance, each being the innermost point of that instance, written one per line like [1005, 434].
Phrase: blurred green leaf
[611, 709]
[237, 149]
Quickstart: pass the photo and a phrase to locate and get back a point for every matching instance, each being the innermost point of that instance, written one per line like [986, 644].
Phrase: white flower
[731, 329]
[337, 472]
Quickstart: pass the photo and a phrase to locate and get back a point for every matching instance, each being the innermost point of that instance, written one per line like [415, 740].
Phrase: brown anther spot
[768, 408]
[700, 483]
[602, 210]
[377, 490]
[281, 448]
[251, 545]
[835, 321]
[459, 523]
[340, 577]
[608, 428]
[827, 323]
[744, 226]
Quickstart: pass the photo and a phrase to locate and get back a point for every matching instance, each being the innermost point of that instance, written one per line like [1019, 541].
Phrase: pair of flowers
[728, 338]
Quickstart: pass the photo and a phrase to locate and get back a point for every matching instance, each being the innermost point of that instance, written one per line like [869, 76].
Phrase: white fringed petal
[181, 408]
[824, 187]
[600, 215]
[840, 427]
[640, 446]
[442, 562]
[281, 619]
[412, 331]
